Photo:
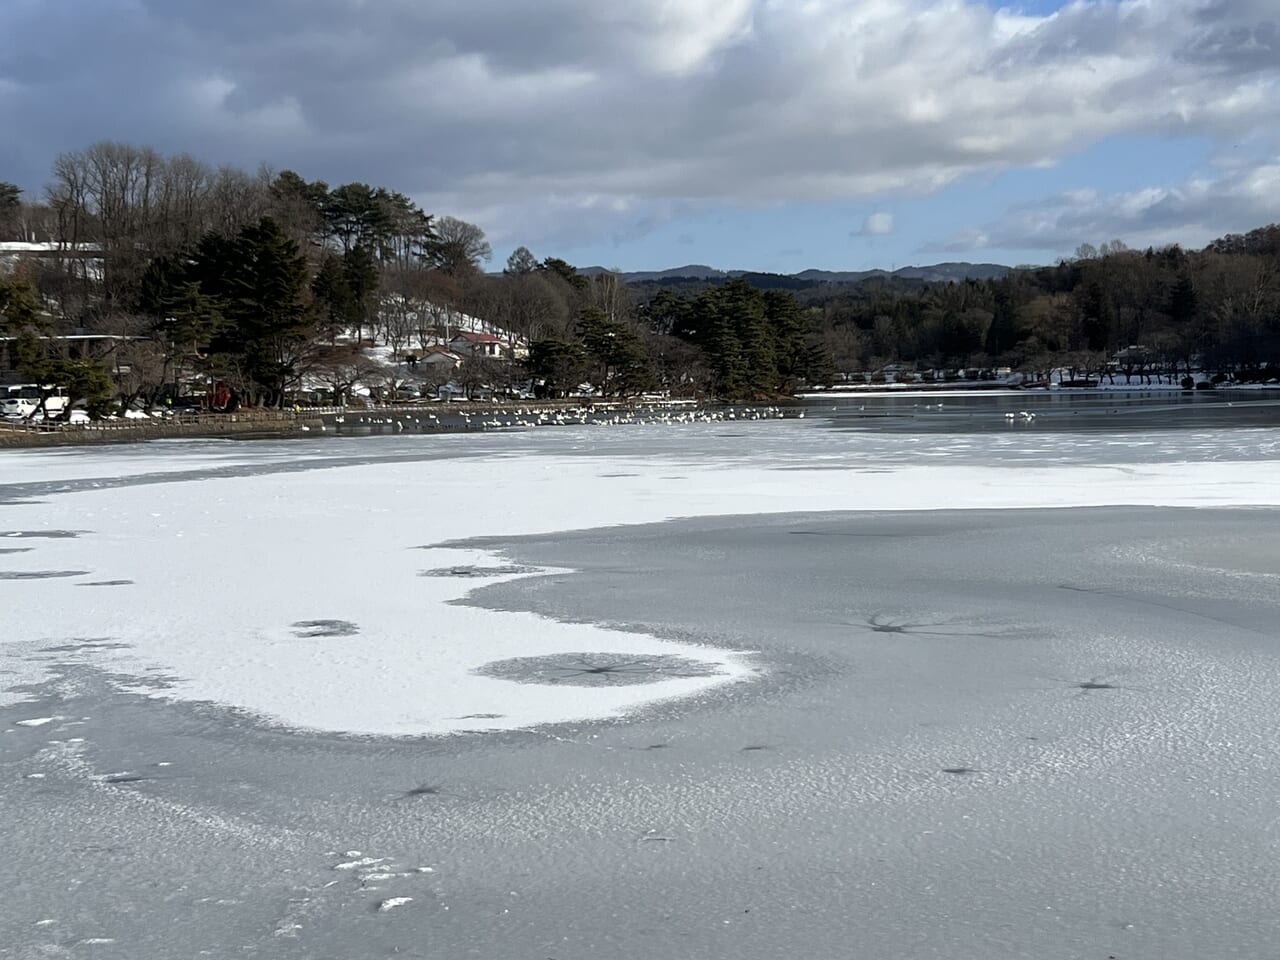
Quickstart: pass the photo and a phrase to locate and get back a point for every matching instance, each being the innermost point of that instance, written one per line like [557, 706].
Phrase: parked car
[22, 400]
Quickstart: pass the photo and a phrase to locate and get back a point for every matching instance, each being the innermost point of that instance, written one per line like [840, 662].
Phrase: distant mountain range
[933, 273]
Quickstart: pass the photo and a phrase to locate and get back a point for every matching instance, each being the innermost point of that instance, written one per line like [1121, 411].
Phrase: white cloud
[1191, 213]
[877, 225]
[621, 113]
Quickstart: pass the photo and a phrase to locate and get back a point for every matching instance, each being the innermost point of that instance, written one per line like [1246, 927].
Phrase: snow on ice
[225, 569]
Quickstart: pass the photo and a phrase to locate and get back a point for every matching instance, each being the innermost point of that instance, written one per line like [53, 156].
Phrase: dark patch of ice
[425, 791]
[325, 628]
[597, 669]
[42, 534]
[494, 571]
[106, 583]
[75, 644]
[40, 574]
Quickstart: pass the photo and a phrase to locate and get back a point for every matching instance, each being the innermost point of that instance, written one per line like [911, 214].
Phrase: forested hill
[934, 273]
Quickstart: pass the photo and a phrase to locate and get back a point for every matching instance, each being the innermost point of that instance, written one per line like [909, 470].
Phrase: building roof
[20, 246]
[79, 337]
[470, 337]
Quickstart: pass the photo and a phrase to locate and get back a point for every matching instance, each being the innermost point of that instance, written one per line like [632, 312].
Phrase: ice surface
[976, 735]
[237, 580]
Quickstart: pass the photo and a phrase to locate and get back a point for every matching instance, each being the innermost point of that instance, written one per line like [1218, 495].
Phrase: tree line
[268, 281]
[1107, 309]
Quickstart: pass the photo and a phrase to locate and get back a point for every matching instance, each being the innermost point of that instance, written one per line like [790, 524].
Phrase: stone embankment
[248, 425]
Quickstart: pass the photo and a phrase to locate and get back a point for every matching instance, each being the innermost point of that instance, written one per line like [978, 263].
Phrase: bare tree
[397, 321]
[340, 368]
[35, 223]
[185, 213]
[68, 198]
[521, 262]
[679, 365]
[140, 371]
[479, 374]
[459, 247]
[236, 199]
[609, 293]
[439, 296]
[530, 309]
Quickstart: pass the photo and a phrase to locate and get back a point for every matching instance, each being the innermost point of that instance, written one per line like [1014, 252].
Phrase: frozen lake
[889, 681]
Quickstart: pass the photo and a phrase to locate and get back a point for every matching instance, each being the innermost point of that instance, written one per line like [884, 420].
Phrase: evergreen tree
[335, 305]
[10, 200]
[86, 382]
[181, 315]
[713, 324]
[19, 309]
[557, 367]
[1005, 331]
[790, 328]
[567, 273]
[359, 215]
[258, 280]
[360, 276]
[619, 357]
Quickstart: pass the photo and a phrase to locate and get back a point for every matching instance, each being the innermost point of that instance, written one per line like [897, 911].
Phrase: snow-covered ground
[321, 597]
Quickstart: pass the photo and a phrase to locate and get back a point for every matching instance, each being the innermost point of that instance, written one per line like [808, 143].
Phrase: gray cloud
[1247, 47]
[574, 119]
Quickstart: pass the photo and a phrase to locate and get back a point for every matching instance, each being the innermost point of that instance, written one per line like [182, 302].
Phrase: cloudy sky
[761, 134]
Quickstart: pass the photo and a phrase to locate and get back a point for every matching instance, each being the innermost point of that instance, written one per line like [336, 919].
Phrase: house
[438, 358]
[79, 260]
[469, 344]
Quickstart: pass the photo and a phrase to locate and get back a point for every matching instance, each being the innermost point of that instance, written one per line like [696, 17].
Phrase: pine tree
[18, 306]
[10, 200]
[257, 279]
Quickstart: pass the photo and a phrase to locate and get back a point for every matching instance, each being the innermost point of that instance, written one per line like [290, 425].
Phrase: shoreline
[414, 418]
[481, 417]
[894, 389]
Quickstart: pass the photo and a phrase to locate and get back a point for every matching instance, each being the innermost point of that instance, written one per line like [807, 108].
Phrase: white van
[22, 400]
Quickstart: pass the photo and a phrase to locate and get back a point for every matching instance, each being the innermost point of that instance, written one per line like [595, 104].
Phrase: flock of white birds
[524, 418]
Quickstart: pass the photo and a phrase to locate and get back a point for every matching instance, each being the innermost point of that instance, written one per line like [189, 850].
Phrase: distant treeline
[1166, 309]
[1216, 309]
